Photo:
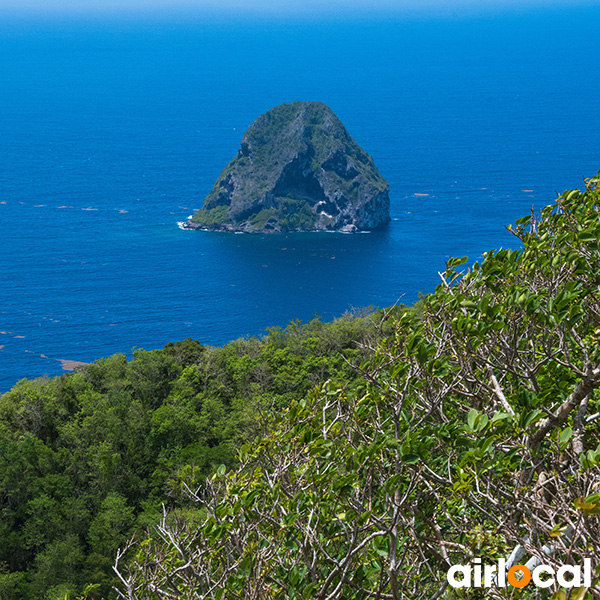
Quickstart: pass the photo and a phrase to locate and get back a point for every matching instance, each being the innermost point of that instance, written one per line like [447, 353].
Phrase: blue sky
[283, 7]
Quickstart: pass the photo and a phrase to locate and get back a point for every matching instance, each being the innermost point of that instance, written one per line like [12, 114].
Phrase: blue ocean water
[112, 131]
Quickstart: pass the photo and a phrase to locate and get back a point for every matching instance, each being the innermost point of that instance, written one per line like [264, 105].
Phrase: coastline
[347, 229]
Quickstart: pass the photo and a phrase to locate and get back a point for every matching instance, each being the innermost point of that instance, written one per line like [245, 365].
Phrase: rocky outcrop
[297, 169]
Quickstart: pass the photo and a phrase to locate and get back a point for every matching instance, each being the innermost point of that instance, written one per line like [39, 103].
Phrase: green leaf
[456, 262]
[471, 417]
[392, 483]
[485, 445]
[578, 593]
[557, 530]
[468, 304]
[590, 504]
[246, 565]
[524, 221]
[531, 417]
[411, 459]
[565, 436]
[583, 504]
[500, 416]
[482, 422]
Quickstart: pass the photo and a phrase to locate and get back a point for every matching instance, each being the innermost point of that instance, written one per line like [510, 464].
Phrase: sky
[451, 8]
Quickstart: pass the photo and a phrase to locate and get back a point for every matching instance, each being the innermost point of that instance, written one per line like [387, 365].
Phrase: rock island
[297, 169]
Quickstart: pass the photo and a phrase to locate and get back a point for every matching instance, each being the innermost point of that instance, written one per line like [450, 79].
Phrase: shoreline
[189, 225]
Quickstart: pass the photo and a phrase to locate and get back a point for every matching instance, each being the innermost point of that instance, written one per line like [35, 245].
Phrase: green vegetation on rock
[215, 217]
[297, 169]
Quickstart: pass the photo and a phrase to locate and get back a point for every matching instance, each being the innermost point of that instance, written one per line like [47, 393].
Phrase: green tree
[87, 457]
[476, 436]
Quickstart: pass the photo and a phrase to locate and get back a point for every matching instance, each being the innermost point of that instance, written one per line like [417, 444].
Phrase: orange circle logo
[518, 583]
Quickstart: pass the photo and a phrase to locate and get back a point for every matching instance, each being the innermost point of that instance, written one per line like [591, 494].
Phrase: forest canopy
[89, 458]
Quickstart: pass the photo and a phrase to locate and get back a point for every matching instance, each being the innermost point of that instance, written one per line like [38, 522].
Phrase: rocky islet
[297, 169]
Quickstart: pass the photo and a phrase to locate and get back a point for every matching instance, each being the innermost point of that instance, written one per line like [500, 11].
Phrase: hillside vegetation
[475, 436]
[89, 458]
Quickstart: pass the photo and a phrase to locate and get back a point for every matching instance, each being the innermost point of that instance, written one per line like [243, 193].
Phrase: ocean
[113, 130]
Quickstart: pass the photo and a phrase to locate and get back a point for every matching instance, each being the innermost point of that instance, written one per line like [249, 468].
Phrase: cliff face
[297, 169]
